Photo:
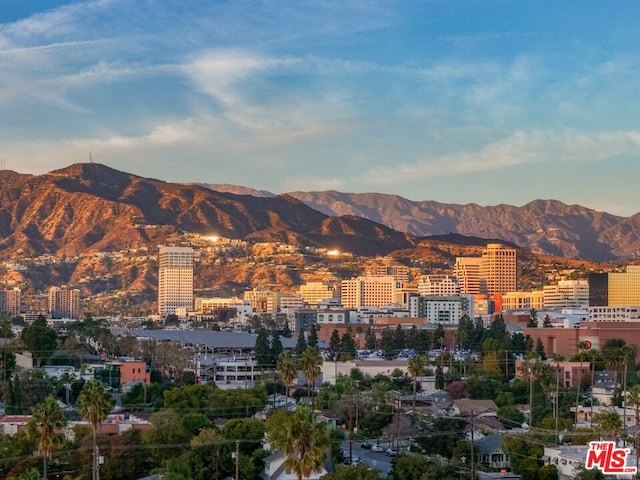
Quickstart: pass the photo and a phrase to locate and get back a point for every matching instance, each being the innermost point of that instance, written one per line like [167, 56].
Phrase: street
[376, 460]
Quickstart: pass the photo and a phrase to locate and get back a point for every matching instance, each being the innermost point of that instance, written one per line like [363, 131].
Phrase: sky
[487, 101]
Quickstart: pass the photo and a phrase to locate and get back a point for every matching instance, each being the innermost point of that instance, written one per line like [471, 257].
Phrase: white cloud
[522, 147]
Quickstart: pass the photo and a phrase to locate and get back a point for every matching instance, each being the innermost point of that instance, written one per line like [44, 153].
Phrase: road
[375, 460]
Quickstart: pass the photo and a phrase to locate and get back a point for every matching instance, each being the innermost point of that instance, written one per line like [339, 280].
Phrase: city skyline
[471, 102]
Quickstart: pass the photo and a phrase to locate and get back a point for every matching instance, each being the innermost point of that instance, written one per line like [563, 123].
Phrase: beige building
[498, 269]
[467, 271]
[64, 302]
[175, 279]
[370, 291]
[10, 301]
[258, 298]
[624, 287]
[523, 300]
[400, 272]
[315, 292]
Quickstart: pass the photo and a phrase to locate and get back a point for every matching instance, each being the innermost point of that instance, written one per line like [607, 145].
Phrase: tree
[546, 323]
[533, 319]
[312, 339]
[370, 341]
[609, 423]
[94, 404]
[311, 362]
[275, 349]
[39, 339]
[288, 369]
[301, 344]
[582, 347]
[416, 366]
[348, 348]
[540, 349]
[302, 440]
[262, 348]
[45, 426]
[334, 346]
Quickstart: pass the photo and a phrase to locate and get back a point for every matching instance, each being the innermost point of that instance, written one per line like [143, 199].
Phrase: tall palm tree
[94, 404]
[302, 440]
[582, 347]
[310, 362]
[557, 358]
[416, 366]
[628, 352]
[46, 426]
[288, 368]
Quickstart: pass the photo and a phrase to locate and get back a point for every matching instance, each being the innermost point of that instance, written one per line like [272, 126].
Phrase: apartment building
[175, 279]
[64, 302]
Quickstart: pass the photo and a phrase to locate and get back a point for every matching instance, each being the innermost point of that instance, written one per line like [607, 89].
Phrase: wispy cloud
[522, 147]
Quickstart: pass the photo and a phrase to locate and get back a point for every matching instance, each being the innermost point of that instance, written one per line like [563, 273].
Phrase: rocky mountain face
[90, 207]
[541, 226]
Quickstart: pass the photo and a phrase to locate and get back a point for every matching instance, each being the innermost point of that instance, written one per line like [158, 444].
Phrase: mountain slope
[91, 207]
[542, 226]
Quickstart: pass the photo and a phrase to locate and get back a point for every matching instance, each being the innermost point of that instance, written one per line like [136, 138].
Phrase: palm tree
[627, 351]
[46, 426]
[302, 440]
[288, 368]
[582, 347]
[557, 358]
[416, 366]
[94, 404]
[310, 361]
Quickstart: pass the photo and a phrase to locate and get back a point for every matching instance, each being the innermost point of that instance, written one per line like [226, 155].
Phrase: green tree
[370, 341]
[262, 348]
[124, 458]
[348, 348]
[31, 474]
[416, 367]
[312, 339]
[275, 348]
[166, 434]
[45, 426]
[288, 369]
[302, 440]
[301, 344]
[347, 472]
[39, 339]
[94, 404]
[334, 346]
[533, 319]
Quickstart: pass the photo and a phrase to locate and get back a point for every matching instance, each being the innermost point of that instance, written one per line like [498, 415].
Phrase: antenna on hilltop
[90, 157]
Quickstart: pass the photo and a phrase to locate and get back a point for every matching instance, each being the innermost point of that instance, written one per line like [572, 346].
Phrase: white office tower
[175, 280]
[467, 271]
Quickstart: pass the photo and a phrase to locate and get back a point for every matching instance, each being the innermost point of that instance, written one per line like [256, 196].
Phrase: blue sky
[482, 101]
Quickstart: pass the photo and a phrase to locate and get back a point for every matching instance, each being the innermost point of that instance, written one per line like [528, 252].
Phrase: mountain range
[541, 226]
[91, 207]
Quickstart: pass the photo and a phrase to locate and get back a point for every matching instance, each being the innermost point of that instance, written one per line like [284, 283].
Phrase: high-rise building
[64, 302]
[370, 291]
[441, 285]
[175, 279]
[498, 269]
[467, 271]
[10, 302]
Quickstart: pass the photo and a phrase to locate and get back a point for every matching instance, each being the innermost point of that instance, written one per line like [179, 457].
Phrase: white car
[377, 448]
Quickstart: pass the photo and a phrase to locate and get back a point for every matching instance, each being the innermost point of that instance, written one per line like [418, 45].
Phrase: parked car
[391, 452]
[377, 448]
[366, 444]
[355, 461]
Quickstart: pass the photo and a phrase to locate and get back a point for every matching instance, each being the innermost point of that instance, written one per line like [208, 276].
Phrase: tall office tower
[175, 279]
[64, 302]
[399, 272]
[467, 271]
[498, 270]
[438, 285]
[368, 291]
[10, 302]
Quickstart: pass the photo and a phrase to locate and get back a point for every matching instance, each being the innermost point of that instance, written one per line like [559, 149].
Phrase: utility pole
[237, 459]
[473, 453]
